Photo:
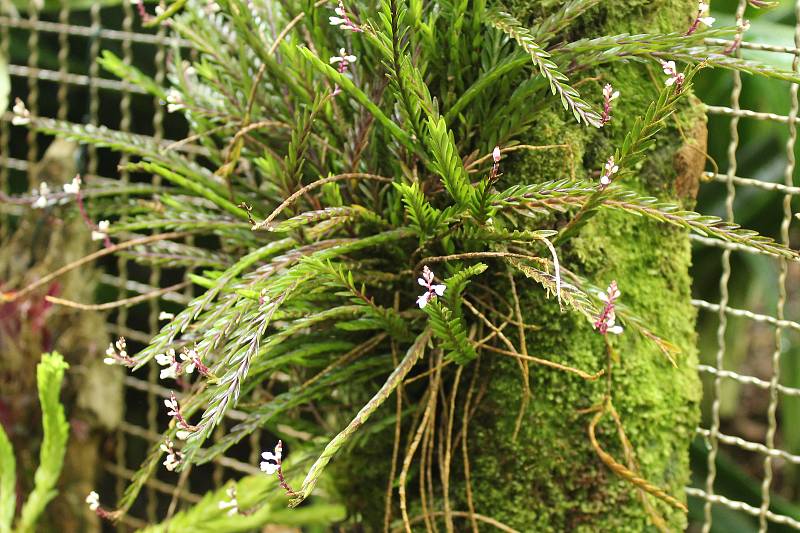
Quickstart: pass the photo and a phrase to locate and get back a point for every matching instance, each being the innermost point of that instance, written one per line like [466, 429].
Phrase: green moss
[549, 478]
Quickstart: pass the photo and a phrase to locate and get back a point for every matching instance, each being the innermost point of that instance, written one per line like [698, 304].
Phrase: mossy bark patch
[549, 478]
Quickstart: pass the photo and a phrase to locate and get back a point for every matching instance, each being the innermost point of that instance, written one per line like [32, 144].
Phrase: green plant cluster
[321, 191]
[49, 375]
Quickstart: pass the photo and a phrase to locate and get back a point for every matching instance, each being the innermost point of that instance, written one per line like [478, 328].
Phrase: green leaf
[458, 282]
[49, 375]
[451, 332]
[350, 88]
[116, 66]
[425, 219]
[261, 502]
[570, 98]
[448, 164]
[8, 482]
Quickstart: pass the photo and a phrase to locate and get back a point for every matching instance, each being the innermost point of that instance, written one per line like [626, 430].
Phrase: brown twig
[13, 296]
[482, 518]
[118, 303]
[545, 362]
[523, 362]
[286, 203]
[627, 474]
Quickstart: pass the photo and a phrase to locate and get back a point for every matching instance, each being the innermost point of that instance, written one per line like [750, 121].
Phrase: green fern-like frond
[49, 375]
[377, 315]
[570, 98]
[448, 164]
[451, 332]
[457, 283]
[561, 19]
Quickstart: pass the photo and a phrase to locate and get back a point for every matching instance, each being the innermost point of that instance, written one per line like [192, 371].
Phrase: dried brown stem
[13, 296]
[118, 303]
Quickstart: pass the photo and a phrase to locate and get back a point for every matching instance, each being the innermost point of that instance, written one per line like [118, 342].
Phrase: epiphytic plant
[351, 153]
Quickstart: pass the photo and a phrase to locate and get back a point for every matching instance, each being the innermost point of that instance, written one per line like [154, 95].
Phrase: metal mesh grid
[39, 80]
[88, 33]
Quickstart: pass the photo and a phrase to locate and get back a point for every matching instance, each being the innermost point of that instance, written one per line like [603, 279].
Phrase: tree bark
[547, 476]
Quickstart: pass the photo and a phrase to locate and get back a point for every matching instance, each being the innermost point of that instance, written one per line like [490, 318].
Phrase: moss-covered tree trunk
[547, 477]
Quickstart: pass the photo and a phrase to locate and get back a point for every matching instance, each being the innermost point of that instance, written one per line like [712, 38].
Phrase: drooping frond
[570, 98]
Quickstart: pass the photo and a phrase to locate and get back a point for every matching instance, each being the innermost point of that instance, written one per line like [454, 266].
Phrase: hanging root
[624, 472]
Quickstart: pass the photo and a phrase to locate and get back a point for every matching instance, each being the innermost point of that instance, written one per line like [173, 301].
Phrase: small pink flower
[606, 322]
[172, 405]
[342, 20]
[174, 457]
[272, 460]
[609, 170]
[116, 354]
[433, 289]
[609, 95]
[674, 77]
[496, 154]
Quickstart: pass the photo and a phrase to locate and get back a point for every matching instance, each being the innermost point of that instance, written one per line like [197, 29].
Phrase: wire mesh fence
[52, 67]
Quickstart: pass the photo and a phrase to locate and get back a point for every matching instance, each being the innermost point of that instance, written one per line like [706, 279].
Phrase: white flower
[172, 404]
[433, 289]
[343, 57]
[269, 468]
[74, 186]
[232, 504]
[111, 355]
[166, 358]
[169, 372]
[610, 169]
[672, 72]
[702, 14]
[163, 315]
[188, 359]
[169, 361]
[423, 299]
[174, 101]
[173, 460]
[272, 461]
[609, 93]
[337, 21]
[183, 434]
[101, 232]
[496, 154]
[41, 201]
[93, 499]
[21, 114]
